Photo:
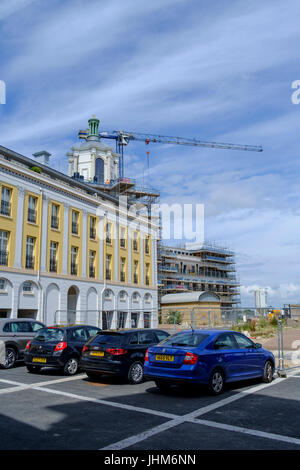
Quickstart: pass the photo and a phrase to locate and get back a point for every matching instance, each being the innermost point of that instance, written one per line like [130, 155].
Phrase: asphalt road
[49, 411]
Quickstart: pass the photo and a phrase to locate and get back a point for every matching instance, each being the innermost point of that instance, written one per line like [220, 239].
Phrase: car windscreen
[50, 334]
[184, 339]
[108, 338]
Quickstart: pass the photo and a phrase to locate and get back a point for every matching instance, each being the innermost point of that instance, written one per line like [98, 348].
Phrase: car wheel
[268, 372]
[33, 369]
[162, 386]
[10, 358]
[71, 366]
[135, 373]
[216, 382]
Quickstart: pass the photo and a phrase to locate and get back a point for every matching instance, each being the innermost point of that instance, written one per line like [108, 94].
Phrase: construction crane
[123, 138]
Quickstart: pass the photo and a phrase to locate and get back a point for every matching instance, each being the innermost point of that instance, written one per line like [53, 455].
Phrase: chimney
[42, 157]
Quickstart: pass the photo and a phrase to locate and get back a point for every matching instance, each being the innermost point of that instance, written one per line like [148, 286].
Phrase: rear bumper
[51, 361]
[105, 367]
[184, 374]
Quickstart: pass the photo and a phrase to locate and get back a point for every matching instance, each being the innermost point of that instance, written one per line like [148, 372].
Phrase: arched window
[99, 170]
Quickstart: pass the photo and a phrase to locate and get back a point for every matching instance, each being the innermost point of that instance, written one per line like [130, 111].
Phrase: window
[108, 267]
[146, 337]
[36, 326]
[135, 297]
[108, 233]
[92, 257]
[122, 237]
[134, 339]
[30, 245]
[55, 216]
[225, 341]
[53, 256]
[148, 298]
[243, 342]
[123, 296]
[161, 335]
[134, 320]
[79, 334]
[17, 327]
[93, 228]
[2, 284]
[5, 201]
[121, 319]
[92, 331]
[107, 294]
[147, 318]
[122, 269]
[74, 253]
[27, 286]
[32, 204]
[135, 241]
[4, 236]
[135, 272]
[75, 218]
[147, 277]
[147, 244]
[185, 339]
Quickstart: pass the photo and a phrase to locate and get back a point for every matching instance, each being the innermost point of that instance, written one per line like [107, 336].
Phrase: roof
[200, 296]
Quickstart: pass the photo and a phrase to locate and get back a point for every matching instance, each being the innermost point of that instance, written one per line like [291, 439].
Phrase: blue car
[209, 357]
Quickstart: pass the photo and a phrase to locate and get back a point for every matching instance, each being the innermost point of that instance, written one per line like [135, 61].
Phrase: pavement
[48, 411]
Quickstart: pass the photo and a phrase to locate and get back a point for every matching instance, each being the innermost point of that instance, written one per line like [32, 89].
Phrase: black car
[58, 347]
[119, 352]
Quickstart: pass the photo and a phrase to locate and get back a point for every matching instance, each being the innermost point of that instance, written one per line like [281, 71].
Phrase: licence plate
[164, 358]
[39, 359]
[97, 353]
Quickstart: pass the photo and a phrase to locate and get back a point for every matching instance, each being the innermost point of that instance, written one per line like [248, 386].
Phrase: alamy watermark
[2, 92]
[296, 94]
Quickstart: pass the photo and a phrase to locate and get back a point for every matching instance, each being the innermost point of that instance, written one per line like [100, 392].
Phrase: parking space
[51, 411]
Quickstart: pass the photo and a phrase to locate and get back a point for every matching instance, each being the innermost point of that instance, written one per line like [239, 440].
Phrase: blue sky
[211, 70]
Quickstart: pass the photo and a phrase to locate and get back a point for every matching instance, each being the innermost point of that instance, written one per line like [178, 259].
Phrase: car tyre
[216, 382]
[10, 358]
[162, 385]
[135, 373]
[71, 366]
[33, 369]
[268, 372]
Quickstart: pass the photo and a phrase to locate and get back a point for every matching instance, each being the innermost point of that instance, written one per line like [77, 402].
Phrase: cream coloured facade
[70, 253]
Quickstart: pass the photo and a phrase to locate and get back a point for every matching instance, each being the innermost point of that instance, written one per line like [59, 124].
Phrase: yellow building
[69, 251]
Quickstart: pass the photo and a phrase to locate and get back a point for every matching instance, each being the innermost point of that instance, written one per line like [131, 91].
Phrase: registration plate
[160, 357]
[97, 353]
[39, 359]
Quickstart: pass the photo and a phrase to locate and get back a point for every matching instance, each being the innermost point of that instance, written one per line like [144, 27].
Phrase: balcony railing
[3, 258]
[5, 208]
[29, 262]
[31, 215]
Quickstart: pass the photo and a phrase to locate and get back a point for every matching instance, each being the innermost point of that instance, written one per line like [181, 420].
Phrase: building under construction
[206, 267]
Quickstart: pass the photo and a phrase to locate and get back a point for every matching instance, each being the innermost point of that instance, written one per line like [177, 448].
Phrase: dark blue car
[209, 357]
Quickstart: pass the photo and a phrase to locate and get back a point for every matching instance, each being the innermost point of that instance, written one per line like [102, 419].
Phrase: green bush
[174, 318]
[36, 169]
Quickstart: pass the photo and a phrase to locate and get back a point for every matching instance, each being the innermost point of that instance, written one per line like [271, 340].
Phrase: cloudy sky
[212, 70]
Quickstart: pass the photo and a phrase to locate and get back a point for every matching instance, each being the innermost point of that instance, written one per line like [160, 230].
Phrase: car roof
[9, 320]
[132, 330]
[72, 327]
[210, 331]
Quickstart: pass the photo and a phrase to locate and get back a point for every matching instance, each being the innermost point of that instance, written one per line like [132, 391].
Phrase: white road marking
[18, 386]
[130, 441]
[252, 432]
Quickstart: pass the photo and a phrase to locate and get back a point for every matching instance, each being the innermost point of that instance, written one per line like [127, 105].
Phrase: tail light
[61, 345]
[85, 348]
[27, 345]
[116, 351]
[147, 356]
[190, 358]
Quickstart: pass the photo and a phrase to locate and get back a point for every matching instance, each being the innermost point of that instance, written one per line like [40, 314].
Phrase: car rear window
[107, 338]
[184, 339]
[50, 334]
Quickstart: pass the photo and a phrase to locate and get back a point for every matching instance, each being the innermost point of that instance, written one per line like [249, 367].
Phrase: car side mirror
[257, 345]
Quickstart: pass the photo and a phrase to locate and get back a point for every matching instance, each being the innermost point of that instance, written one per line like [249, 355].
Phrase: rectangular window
[5, 201]
[55, 216]
[147, 277]
[147, 245]
[75, 218]
[30, 245]
[108, 267]
[108, 233]
[4, 236]
[122, 269]
[32, 204]
[135, 241]
[53, 256]
[74, 253]
[92, 257]
[122, 237]
[93, 228]
[135, 272]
